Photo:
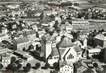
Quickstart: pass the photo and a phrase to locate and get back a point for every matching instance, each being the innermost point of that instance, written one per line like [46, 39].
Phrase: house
[71, 54]
[99, 40]
[94, 51]
[48, 49]
[67, 51]
[4, 30]
[34, 26]
[68, 26]
[80, 22]
[100, 8]
[4, 37]
[79, 67]
[46, 45]
[3, 49]
[21, 43]
[23, 54]
[31, 35]
[5, 60]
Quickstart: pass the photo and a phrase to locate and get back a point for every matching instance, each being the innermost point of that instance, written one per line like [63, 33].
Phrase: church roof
[65, 42]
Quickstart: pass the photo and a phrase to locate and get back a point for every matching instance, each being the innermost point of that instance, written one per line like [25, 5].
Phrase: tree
[1, 66]
[37, 65]
[13, 59]
[27, 67]
[30, 47]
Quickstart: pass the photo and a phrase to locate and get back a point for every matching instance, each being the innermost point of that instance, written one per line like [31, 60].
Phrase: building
[31, 35]
[94, 51]
[4, 59]
[74, 54]
[13, 6]
[97, 24]
[3, 50]
[67, 51]
[99, 40]
[4, 37]
[10, 0]
[75, 1]
[67, 69]
[14, 13]
[100, 8]
[22, 43]
[80, 22]
[34, 26]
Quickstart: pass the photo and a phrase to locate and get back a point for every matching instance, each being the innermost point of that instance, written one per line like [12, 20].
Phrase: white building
[22, 43]
[80, 22]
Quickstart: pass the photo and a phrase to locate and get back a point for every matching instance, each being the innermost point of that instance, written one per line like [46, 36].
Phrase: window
[70, 56]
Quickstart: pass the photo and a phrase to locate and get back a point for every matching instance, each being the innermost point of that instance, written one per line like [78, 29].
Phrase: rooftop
[21, 40]
[66, 42]
[30, 32]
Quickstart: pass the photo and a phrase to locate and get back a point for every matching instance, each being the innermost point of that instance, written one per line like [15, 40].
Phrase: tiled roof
[66, 42]
[77, 49]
